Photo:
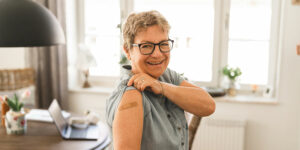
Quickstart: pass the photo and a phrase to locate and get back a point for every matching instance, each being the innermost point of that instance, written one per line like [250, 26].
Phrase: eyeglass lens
[148, 48]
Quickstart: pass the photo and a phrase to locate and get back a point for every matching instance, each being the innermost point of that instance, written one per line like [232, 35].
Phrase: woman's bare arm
[128, 123]
[190, 98]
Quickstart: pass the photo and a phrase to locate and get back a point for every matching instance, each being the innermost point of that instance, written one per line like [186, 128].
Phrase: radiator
[220, 134]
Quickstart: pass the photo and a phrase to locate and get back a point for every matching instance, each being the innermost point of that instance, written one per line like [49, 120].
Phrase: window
[208, 35]
[102, 34]
[249, 39]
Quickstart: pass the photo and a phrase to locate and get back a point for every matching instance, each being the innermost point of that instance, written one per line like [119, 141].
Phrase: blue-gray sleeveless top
[165, 126]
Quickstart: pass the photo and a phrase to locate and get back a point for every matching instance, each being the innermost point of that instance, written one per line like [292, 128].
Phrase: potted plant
[15, 122]
[232, 74]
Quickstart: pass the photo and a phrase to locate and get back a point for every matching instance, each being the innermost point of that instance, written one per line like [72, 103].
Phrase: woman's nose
[156, 52]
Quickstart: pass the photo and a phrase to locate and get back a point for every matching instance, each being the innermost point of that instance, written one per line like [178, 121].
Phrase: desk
[45, 136]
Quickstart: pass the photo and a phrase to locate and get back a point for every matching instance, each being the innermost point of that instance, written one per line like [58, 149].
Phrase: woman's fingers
[131, 80]
[144, 85]
[140, 81]
[137, 84]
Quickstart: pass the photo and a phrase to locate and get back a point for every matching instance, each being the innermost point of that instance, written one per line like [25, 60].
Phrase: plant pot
[15, 122]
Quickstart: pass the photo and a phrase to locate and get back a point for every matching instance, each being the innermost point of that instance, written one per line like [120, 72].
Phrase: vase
[232, 89]
[15, 122]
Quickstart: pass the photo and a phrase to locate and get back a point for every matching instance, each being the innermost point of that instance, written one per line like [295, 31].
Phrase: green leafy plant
[123, 60]
[232, 73]
[14, 103]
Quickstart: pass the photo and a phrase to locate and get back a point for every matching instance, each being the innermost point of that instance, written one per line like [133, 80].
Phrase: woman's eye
[146, 46]
[164, 44]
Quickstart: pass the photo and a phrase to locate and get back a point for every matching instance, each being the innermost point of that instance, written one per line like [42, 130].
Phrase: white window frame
[221, 53]
[220, 43]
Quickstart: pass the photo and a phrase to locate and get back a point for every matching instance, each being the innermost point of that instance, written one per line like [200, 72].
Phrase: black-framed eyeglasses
[148, 48]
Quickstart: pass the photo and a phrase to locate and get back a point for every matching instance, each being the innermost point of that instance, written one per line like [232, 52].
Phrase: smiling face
[154, 64]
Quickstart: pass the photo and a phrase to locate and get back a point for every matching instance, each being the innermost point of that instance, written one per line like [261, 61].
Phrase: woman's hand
[143, 81]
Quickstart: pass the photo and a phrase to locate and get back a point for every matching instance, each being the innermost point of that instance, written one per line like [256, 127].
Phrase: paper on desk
[43, 115]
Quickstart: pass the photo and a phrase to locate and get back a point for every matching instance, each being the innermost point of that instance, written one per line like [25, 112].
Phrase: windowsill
[251, 99]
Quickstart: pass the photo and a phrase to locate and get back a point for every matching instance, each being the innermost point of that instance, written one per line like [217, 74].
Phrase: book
[43, 115]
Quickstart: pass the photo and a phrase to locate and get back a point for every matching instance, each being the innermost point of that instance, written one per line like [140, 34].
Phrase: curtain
[50, 64]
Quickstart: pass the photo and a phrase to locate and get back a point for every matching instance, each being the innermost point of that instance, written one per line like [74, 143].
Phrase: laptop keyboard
[78, 133]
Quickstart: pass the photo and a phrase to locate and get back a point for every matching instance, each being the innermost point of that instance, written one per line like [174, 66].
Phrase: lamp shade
[24, 23]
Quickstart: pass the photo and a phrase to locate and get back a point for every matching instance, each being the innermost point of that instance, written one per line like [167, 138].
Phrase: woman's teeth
[155, 63]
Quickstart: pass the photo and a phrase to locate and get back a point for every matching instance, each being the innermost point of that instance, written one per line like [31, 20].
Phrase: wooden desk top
[44, 136]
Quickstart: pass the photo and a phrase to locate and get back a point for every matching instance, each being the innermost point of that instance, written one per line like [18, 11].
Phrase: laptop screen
[57, 116]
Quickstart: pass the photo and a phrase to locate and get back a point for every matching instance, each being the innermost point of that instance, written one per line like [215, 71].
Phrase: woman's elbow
[211, 107]
[208, 109]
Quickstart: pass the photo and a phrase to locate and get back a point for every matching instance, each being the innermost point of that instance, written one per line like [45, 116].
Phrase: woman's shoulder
[112, 103]
[171, 76]
[115, 98]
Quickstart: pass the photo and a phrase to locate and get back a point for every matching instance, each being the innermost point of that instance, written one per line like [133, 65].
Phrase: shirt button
[169, 116]
[178, 128]
[182, 143]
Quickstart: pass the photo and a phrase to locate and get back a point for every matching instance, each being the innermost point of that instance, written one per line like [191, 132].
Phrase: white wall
[269, 127]
[12, 58]
[80, 102]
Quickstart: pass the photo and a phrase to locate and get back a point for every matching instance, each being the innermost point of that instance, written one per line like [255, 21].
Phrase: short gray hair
[137, 22]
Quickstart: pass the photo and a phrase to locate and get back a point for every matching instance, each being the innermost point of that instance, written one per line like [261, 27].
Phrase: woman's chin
[156, 71]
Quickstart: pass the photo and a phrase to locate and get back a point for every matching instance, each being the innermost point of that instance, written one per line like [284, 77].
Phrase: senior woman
[146, 110]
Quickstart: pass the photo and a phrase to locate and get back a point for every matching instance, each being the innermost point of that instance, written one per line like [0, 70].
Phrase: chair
[193, 124]
[17, 81]
[194, 121]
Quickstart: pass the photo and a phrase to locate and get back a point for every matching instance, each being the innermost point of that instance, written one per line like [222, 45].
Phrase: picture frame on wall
[296, 2]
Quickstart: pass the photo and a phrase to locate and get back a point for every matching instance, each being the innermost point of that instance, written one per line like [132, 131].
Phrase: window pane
[249, 39]
[252, 58]
[103, 36]
[192, 28]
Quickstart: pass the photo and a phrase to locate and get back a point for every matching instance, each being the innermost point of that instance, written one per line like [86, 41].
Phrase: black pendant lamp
[24, 23]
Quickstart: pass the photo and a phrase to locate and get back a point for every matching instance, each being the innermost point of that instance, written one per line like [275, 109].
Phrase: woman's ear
[126, 51]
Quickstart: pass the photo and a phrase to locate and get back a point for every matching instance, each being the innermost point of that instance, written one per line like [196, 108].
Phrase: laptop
[69, 132]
